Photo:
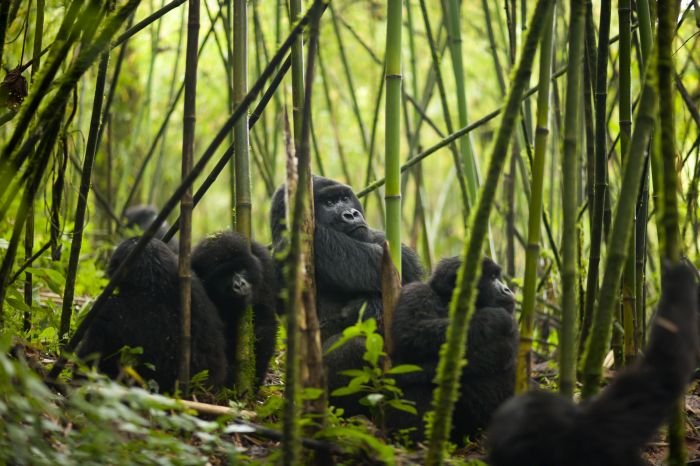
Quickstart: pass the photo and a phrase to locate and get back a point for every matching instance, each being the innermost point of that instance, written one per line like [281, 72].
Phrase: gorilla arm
[633, 406]
[419, 327]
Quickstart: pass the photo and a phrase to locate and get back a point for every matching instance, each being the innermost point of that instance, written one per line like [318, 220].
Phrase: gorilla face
[337, 207]
[241, 286]
[492, 292]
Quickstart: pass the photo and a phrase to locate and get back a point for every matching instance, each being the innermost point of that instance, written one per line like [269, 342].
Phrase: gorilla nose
[241, 286]
[352, 216]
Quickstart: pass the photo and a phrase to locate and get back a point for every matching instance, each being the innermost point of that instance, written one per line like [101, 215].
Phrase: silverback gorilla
[545, 429]
[145, 312]
[236, 276]
[419, 329]
[347, 256]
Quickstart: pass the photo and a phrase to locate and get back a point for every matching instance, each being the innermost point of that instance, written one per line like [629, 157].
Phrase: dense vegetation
[562, 139]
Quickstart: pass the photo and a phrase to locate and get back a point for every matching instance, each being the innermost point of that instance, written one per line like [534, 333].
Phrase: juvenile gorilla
[419, 328]
[347, 256]
[142, 216]
[235, 276]
[545, 429]
[145, 312]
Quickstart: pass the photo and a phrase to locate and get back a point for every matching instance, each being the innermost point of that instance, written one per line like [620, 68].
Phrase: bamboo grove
[562, 139]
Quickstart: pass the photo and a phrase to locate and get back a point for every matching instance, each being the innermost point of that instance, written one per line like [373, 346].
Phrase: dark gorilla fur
[145, 312]
[142, 216]
[236, 276]
[347, 256]
[545, 429]
[419, 329]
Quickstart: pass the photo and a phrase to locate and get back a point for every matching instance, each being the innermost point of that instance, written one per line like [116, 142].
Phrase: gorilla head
[230, 272]
[492, 292]
[337, 207]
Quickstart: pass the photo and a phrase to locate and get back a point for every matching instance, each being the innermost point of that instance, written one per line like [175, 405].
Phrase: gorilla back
[545, 429]
[419, 328]
[145, 312]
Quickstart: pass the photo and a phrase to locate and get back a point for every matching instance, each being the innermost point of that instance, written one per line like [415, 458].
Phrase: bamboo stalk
[469, 163]
[291, 449]
[189, 118]
[392, 125]
[29, 231]
[668, 222]
[527, 317]
[245, 354]
[84, 192]
[629, 302]
[462, 304]
[461, 177]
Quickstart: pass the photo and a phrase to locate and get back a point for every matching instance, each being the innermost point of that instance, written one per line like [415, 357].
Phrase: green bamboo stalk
[532, 250]
[600, 183]
[463, 299]
[646, 31]
[81, 208]
[392, 125]
[29, 231]
[292, 390]
[470, 166]
[570, 180]
[668, 222]
[189, 118]
[599, 337]
[245, 355]
[629, 302]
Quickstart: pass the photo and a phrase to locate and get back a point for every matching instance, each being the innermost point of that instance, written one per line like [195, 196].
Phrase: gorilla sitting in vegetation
[419, 329]
[236, 275]
[546, 429]
[347, 256]
[145, 312]
[141, 217]
[348, 261]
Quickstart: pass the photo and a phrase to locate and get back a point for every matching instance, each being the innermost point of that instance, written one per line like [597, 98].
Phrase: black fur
[235, 276]
[347, 256]
[419, 329]
[145, 312]
[545, 429]
[142, 216]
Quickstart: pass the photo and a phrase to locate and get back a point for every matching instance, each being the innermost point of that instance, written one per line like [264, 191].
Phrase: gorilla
[610, 430]
[145, 312]
[236, 275]
[347, 256]
[419, 329]
[142, 216]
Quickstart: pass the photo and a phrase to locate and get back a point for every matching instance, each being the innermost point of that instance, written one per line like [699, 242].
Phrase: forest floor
[260, 448]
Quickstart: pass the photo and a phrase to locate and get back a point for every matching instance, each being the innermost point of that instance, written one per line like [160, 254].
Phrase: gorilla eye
[329, 202]
[346, 198]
